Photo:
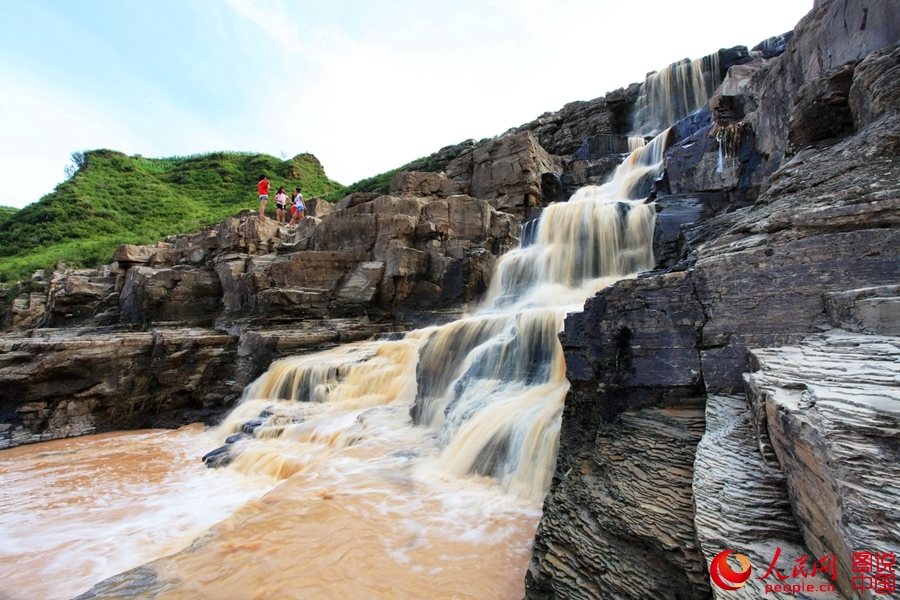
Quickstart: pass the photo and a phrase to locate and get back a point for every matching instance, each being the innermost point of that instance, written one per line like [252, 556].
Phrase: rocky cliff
[741, 396]
[147, 339]
[643, 498]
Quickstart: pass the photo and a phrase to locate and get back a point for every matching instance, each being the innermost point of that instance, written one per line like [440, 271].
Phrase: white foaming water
[416, 467]
[76, 511]
[677, 91]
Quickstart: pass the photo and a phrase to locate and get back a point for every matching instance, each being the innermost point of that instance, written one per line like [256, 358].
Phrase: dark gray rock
[741, 501]
[766, 275]
[876, 87]
[821, 108]
[773, 46]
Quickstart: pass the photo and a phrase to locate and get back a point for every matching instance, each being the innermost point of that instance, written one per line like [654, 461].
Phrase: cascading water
[669, 95]
[487, 389]
[636, 142]
[414, 467]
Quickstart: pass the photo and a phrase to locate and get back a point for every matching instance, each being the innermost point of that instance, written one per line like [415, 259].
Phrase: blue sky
[364, 85]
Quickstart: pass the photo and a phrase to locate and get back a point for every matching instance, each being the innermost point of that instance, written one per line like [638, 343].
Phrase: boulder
[411, 183]
[314, 270]
[507, 172]
[182, 295]
[361, 286]
[250, 235]
[344, 232]
[26, 311]
[128, 256]
[317, 207]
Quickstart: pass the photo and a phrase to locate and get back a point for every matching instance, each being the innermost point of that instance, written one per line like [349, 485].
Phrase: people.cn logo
[724, 576]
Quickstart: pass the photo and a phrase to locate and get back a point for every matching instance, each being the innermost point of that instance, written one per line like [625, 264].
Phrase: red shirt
[264, 187]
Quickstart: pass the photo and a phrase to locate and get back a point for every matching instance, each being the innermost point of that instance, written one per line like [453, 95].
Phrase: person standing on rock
[299, 210]
[280, 202]
[263, 187]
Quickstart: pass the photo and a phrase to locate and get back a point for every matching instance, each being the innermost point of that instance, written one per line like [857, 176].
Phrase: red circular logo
[724, 576]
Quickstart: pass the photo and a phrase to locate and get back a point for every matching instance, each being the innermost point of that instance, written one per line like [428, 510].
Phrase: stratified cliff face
[778, 251]
[800, 463]
[172, 334]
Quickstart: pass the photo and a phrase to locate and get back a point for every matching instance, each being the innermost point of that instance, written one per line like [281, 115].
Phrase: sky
[365, 85]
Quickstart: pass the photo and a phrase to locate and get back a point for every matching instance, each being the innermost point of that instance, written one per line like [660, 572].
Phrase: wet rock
[220, 457]
[773, 46]
[765, 276]
[233, 439]
[249, 427]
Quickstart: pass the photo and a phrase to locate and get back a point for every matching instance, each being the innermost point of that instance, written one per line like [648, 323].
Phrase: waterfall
[719, 165]
[635, 142]
[401, 468]
[677, 91]
[484, 393]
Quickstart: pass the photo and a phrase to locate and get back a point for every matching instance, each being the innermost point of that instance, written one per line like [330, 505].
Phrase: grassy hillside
[7, 212]
[116, 199]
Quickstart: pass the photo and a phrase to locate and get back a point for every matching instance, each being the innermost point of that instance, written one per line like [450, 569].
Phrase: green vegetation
[7, 212]
[379, 183]
[115, 199]
[112, 199]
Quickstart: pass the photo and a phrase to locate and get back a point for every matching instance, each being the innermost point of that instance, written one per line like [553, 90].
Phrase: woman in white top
[299, 208]
[280, 202]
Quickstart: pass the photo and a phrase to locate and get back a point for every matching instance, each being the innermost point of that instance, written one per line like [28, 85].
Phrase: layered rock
[777, 198]
[741, 501]
[508, 172]
[832, 410]
[767, 275]
[618, 520]
[237, 295]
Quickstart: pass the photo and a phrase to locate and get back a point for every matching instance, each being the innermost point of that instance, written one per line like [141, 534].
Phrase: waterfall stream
[413, 467]
[669, 95]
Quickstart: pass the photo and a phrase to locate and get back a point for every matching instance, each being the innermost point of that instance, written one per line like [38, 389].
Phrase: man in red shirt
[263, 195]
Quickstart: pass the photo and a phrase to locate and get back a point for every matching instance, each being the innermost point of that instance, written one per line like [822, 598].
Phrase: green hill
[6, 213]
[116, 199]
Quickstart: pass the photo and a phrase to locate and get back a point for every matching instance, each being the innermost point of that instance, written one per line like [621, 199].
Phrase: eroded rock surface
[741, 501]
[818, 219]
[618, 522]
[832, 407]
[145, 341]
